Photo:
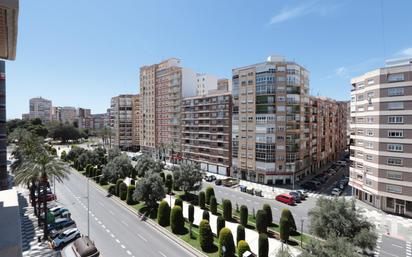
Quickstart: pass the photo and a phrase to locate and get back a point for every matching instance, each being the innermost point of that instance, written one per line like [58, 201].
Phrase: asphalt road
[115, 230]
[393, 247]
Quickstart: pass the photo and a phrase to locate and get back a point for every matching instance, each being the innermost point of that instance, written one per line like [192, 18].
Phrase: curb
[160, 229]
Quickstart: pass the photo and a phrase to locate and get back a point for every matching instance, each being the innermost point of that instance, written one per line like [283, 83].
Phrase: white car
[66, 237]
[336, 191]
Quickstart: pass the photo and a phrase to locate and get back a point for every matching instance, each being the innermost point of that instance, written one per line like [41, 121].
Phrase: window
[371, 81]
[395, 106]
[393, 189]
[395, 91]
[370, 95]
[360, 132]
[368, 169]
[369, 157]
[389, 202]
[360, 142]
[360, 120]
[395, 119]
[395, 133]
[394, 161]
[368, 182]
[360, 98]
[359, 165]
[396, 77]
[394, 175]
[369, 132]
[395, 147]
[361, 109]
[369, 119]
[352, 99]
[369, 145]
[360, 85]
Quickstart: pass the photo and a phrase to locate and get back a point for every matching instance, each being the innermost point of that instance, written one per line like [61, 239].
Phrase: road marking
[101, 204]
[100, 223]
[108, 231]
[111, 213]
[389, 253]
[96, 219]
[92, 215]
[118, 241]
[164, 255]
[128, 252]
[112, 235]
[144, 239]
[103, 226]
[397, 246]
[125, 223]
[123, 246]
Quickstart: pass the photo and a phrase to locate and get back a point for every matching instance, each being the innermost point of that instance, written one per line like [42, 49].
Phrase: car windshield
[62, 235]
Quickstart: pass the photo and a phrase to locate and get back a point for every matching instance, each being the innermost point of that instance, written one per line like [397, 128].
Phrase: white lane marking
[125, 223]
[144, 239]
[101, 204]
[128, 252]
[389, 253]
[100, 223]
[103, 226]
[399, 246]
[123, 246]
[111, 213]
[118, 241]
[164, 255]
[112, 235]
[108, 231]
[96, 219]
[92, 215]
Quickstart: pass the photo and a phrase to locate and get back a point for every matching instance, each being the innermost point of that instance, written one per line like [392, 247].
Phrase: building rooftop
[10, 225]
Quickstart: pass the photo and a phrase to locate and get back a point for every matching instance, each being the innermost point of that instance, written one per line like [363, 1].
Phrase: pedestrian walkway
[251, 236]
[408, 249]
[31, 231]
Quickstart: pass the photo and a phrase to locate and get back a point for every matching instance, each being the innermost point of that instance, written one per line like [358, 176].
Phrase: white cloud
[406, 52]
[308, 7]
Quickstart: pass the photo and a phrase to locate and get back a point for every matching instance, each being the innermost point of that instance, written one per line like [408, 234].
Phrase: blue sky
[81, 53]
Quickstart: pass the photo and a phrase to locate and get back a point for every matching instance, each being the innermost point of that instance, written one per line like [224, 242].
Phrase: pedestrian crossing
[378, 245]
[408, 249]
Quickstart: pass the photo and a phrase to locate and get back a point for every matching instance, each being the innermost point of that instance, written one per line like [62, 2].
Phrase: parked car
[81, 247]
[316, 182]
[56, 211]
[66, 237]
[285, 198]
[218, 182]
[296, 196]
[60, 224]
[303, 194]
[210, 178]
[336, 191]
[309, 186]
[49, 197]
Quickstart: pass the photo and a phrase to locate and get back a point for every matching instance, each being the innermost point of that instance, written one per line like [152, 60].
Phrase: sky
[81, 53]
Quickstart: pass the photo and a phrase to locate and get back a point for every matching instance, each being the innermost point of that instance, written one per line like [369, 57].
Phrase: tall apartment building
[205, 83]
[122, 111]
[162, 87]
[206, 131]
[381, 131]
[41, 108]
[136, 120]
[328, 126]
[224, 85]
[269, 133]
[99, 121]
[84, 118]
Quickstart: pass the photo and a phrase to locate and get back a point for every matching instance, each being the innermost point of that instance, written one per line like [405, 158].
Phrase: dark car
[309, 186]
[296, 196]
[60, 224]
[218, 182]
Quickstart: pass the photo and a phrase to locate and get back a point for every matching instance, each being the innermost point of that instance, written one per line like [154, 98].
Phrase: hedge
[123, 191]
[284, 229]
[242, 247]
[191, 213]
[243, 215]
[261, 223]
[240, 233]
[202, 200]
[205, 215]
[205, 236]
[163, 214]
[179, 202]
[227, 210]
[118, 182]
[213, 205]
[226, 240]
[112, 189]
[169, 183]
[209, 193]
[286, 213]
[220, 223]
[177, 222]
[129, 197]
[268, 211]
[263, 245]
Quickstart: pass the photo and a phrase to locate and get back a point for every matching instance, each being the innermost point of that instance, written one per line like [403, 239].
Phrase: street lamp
[88, 204]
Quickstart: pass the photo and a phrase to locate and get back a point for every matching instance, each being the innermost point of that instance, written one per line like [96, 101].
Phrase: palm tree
[40, 167]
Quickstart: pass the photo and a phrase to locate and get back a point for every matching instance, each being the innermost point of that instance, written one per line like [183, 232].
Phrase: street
[393, 247]
[115, 230]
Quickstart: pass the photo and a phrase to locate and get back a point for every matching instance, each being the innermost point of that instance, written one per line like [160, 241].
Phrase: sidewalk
[251, 236]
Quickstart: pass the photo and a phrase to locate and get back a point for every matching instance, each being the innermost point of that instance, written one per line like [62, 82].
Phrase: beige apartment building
[206, 131]
[162, 88]
[136, 121]
[41, 108]
[381, 137]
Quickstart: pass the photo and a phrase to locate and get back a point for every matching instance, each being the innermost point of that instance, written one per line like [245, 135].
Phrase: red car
[285, 198]
[49, 197]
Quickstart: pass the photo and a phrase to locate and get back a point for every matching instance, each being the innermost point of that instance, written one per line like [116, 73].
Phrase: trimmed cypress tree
[205, 215]
[284, 229]
[242, 247]
[129, 198]
[226, 240]
[163, 214]
[169, 183]
[220, 223]
[112, 189]
[177, 222]
[123, 191]
[202, 200]
[240, 233]
[268, 211]
[227, 210]
[243, 215]
[191, 213]
[213, 205]
[118, 182]
[162, 175]
[209, 193]
[263, 245]
[205, 236]
[286, 213]
[261, 223]
[179, 202]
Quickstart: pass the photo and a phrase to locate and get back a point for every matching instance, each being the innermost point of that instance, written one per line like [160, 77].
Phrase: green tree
[149, 189]
[129, 198]
[213, 205]
[64, 132]
[244, 215]
[169, 183]
[227, 210]
[261, 222]
[220, 223]
[205, 215]
[202, 200]
[123, 191]
[163, 214]
[284, 229]
[268, 211]
[205, 236]
[283, 253]
[209, 193]
[331, 247]
[226, 241]
[286, 213]
[191, 215]
[177, 222]
[63, 155]
[118, 183]
[240, 233]
[263, 245]
[179, 202]
[242, 247]
[119, 167]
[188, 177]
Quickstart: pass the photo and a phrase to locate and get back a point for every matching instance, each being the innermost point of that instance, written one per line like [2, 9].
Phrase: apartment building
[205, 83]
[136, 121]
[122, 111]
[224, 85]
[162, 88]
[381, 132]
[99, 121]
[269, 133]
[328, 126]
[206, 131]
[41, 108]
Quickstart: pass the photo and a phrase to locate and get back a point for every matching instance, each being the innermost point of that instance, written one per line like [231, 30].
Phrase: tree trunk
[45, 232]
[38, 201]
[32, 196]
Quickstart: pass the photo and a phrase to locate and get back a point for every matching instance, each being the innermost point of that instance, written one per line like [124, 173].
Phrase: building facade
[381, 131]
[162, 87]
[206, 131]
[84, 118]
[99, 121]
[41, 108]
[205, 83]
[136, 121]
